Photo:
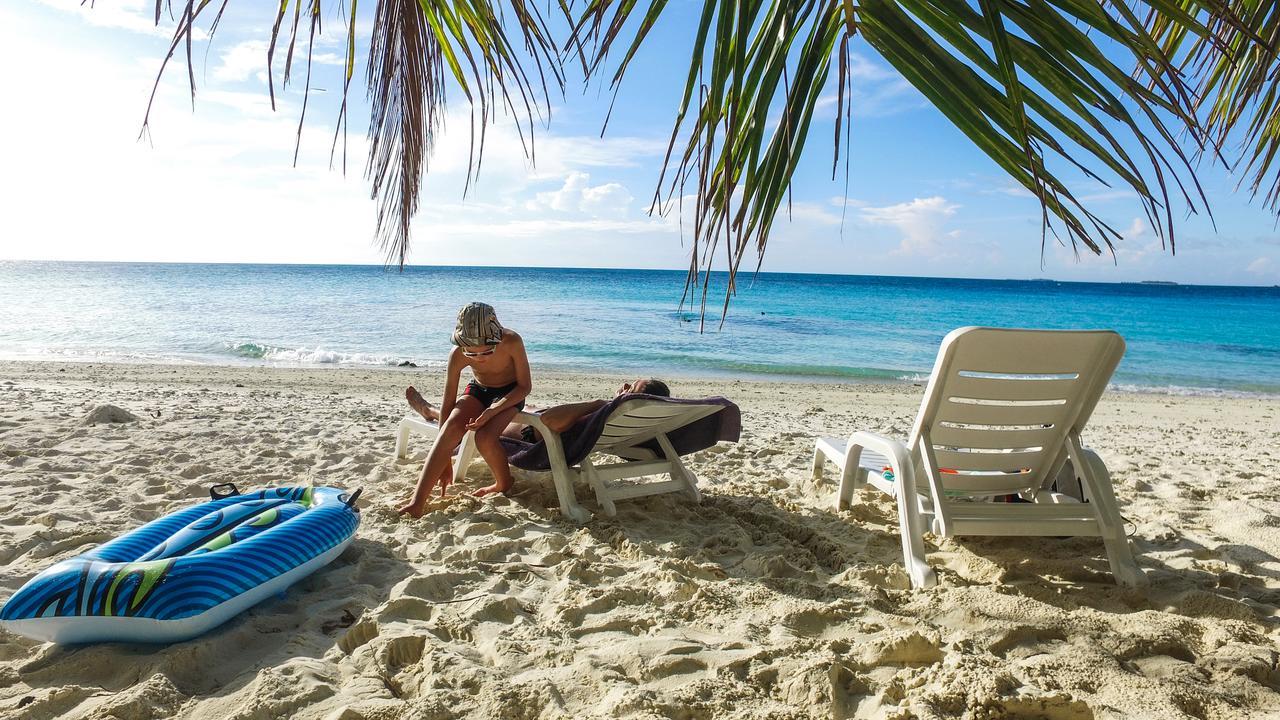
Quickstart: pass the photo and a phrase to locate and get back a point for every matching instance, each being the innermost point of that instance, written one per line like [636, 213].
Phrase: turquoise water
[1181, 338]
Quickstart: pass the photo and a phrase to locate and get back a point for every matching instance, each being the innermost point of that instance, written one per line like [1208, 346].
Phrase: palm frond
[416, 45]
[407, 65]
[1123, 91]
[1234, 64]
[407, 104]
[1027, 81]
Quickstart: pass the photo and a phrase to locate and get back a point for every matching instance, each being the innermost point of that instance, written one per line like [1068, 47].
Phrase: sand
[762, 602]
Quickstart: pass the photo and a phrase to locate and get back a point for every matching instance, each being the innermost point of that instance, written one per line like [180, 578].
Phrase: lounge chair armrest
[910, 524]
[533, 420]
[561, 473]
[852, 473]
[898, 455]
[549, 436]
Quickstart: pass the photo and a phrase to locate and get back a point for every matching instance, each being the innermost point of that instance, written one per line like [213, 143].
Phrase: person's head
[649, 386]
[478, 331]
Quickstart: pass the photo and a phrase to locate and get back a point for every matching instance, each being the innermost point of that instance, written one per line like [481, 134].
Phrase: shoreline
[725, 377]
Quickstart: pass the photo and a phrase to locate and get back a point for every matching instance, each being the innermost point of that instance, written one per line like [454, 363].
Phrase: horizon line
[385, 266]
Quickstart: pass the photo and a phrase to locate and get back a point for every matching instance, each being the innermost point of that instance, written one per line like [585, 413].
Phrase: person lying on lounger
[557, 419]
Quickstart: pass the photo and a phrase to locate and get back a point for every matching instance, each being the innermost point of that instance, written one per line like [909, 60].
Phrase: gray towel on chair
[578, 440]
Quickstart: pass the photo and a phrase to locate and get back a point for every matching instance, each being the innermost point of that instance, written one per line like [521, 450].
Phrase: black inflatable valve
[352, 498]
[223, 490]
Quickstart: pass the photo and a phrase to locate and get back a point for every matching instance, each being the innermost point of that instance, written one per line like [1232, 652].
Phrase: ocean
[1181, 338]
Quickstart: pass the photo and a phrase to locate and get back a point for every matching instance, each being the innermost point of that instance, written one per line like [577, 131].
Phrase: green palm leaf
[414, 43]
[1026, 81]
[1238, 81]
[1124, 91]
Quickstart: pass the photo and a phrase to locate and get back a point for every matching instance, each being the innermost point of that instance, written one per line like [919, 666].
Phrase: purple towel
[578, 440]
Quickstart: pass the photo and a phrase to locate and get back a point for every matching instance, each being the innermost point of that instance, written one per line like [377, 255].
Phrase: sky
[218, 183]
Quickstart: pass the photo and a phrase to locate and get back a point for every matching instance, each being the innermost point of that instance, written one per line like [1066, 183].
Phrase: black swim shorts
[489, 395]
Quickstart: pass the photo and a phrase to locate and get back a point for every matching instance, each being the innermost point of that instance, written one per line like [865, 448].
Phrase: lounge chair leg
[402, 439]
[692, 481]
[911, 527]
[562, 475]
[602, 491]
[844, 496]
[679, 471]
[569, 506]
[1097, 479]
[465, 455]
[818, 461]
[1123, 565]
[849, 481]
[407, 427]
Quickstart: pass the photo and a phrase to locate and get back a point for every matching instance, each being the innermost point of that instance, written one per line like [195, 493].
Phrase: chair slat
[1000, 414]
[630, 421]
[663, 410]
[988, 438]
[985, 484]
[1010, 389]
[643, 489]
[988, 460]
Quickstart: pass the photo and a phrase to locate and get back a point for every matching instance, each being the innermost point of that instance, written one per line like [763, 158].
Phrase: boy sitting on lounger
[501, 382]
[557, 419]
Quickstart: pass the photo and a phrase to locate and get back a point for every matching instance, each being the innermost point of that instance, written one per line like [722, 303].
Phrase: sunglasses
[482, 353]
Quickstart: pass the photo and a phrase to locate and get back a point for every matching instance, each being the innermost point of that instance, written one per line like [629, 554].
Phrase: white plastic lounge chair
[630, 428]
[415, 424]
[1002, 414]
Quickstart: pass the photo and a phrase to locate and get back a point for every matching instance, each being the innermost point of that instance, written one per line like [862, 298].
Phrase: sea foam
[318, 356]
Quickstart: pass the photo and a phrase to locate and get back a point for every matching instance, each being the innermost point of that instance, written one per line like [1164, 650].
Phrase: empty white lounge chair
[1002, 414]
[649, 434]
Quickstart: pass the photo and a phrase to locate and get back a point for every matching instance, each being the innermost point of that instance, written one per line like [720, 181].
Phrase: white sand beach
[761, 602]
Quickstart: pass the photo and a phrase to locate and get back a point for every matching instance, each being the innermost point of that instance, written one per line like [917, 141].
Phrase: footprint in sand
[1025, 641]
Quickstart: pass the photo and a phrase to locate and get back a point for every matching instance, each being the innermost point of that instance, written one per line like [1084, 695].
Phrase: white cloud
[248, 59]
[542, 227]
[1261, 266]
[242, 61]
[133, 15]
[1011, 190]
[605, 199]
[1136, 229]
[920, 222]
[809, 212]
[579, 195]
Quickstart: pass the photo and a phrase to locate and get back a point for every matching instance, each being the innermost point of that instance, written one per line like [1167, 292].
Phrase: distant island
[1157, 282]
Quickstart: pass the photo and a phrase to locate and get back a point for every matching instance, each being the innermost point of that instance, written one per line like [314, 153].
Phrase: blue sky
[218, 185]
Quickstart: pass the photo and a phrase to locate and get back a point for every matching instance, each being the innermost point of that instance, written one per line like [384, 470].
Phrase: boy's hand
[481, 419]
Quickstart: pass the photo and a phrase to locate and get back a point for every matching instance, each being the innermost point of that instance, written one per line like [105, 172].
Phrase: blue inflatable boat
[190, 571]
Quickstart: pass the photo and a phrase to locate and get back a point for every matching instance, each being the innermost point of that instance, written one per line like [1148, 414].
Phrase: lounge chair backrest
[1001, 402]
[637, 421]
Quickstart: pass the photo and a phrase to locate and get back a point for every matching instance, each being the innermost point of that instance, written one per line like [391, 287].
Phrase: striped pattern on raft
[193, 560]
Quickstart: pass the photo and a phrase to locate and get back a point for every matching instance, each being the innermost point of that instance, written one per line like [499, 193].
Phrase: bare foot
[420, 405]
[410, 510]
[492, 489]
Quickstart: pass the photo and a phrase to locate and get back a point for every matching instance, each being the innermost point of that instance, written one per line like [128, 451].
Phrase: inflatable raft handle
[350, 501]
[217, 493]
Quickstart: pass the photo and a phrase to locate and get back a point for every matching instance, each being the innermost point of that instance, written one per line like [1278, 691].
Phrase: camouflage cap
[477, 325]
